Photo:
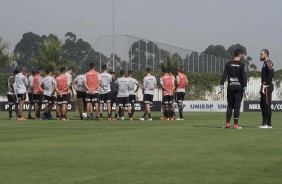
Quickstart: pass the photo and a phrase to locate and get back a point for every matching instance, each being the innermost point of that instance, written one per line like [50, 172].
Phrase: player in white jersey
[105, 91]
[12, 99]
[30, 94]
[69, 75]
[78, 85]
[132, 97]
[149, 85]
[20, 87]
[48, 85]
[123, 95]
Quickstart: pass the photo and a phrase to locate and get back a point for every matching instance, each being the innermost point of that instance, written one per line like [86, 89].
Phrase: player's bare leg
[101, 105]
[97, 111]
[20, 111]
[129, 110]
[109, 109]
[80, 107]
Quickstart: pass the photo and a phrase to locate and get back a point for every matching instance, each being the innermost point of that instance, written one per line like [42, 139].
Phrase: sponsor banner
[205, 106]
[254, 106]
[5, 106]
[139, 106]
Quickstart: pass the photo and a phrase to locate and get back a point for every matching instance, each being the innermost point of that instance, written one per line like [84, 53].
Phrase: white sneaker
[264, 126]
[179, 119]
[150, 119]
[141, 119]
[269, 126]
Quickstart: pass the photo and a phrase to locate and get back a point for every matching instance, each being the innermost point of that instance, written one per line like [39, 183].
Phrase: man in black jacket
[237, 84]
[267, 73]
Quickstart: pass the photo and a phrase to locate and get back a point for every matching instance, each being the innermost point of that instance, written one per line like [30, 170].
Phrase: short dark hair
[39, 70]
[92, 65]
[112, 72]
[104, 67]
[265, 51]
[33, 72]
[148, 70]
[129, 72]
[16, 71]
[122, 72]
[62, 69]
[164, 70]
[237, 52]
[23, 69]
[71, 68]
[48, 70]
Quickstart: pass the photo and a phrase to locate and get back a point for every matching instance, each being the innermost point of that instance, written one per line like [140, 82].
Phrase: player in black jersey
[267, 73]
[237, 84]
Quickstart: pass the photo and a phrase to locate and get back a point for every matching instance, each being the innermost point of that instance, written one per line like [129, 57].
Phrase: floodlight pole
[113, 35]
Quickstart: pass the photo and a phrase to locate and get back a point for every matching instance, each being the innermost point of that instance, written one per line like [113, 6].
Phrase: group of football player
[95, 92]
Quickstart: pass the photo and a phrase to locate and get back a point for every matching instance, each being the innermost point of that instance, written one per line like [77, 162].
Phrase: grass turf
[196, 150]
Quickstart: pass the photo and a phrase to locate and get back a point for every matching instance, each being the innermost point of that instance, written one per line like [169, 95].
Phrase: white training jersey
[132, 83]
[48, 85]
[149, 83]
[21, 83]
[30, 83]
[123, 86]
[79, 80]
[9, 88]
[105, 83]
[69, 76]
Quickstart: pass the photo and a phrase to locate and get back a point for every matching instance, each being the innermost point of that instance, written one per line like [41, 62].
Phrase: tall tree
[253, 66]
[75, 50]
[29, 45]
[218, 50]
[178, 58]
[49, 55]
[138, 57]
[4, 55]
[233, 47]
[171, 63]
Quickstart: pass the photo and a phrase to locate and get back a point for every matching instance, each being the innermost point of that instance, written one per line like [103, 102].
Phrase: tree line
[47, 51]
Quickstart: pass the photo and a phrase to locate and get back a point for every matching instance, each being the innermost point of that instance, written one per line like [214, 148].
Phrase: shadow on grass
[207, 126]
[221, 127]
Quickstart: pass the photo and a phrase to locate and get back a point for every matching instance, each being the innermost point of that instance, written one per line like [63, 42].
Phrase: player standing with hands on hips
[267, 73]
[237, 84]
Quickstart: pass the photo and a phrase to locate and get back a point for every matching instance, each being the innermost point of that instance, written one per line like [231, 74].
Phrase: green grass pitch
[195, 151]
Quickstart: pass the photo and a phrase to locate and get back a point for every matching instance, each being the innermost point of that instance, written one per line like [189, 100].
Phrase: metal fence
[132, 53]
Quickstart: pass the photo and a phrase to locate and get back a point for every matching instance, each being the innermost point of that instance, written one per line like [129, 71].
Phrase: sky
[190, 24]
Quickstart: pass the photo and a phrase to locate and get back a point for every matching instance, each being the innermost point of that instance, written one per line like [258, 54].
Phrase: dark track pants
[234, 99]
[265, 105]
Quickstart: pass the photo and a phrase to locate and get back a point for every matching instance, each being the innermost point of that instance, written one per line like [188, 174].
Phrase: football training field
[195, 151]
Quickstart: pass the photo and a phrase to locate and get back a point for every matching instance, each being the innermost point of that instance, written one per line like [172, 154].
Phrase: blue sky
[191, 24]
